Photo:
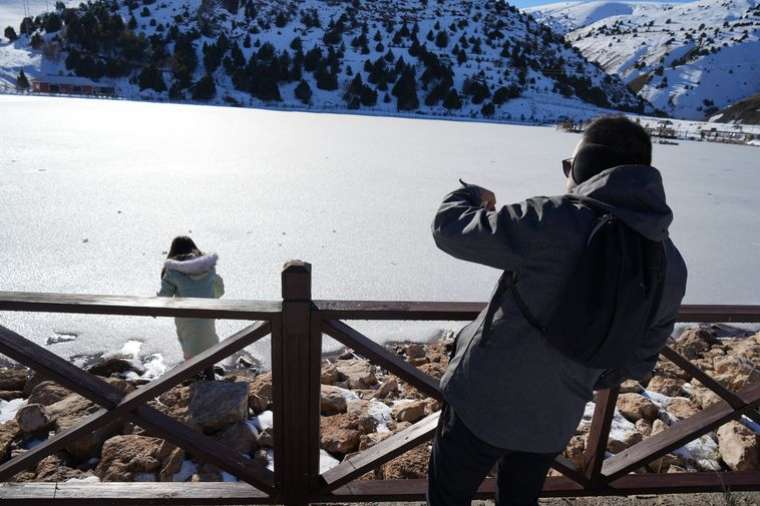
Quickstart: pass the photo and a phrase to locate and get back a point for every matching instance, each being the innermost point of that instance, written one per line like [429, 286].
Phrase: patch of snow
[188, 469]
[326, 461]
[145, 476]
[263, 421]
[227, 477]
[380, 412]
[89, 479]
[8, 409]
[60, 337]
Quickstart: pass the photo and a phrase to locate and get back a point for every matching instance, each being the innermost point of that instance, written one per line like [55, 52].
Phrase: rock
[409, 411]
[644, 427]
[630, 386]
[69, 412]
[215, 405]
[666, 386]
[13, 378]
[681, 407]
[387, 388]
[171, 465]
[635, 406]
[260, 392]
[10, 432]
[414, 350]
[8, 395]
[55, 469]
[115, 365]
[410, 465]
[739, 447]
[358, 373]
[628, 439]
[658, 426]
[33, 418]
[370, 440]
[329, 374]
[665, 463]
[125, 456]
[434, 369]
[702, 396]
[359, 418]
[47, 393]
[240, 437]
[338, 440]
[693, 342]
[419, 361]
[265, 438]
[667, 369]
[332, 400]
[575, 450]
[207, 473]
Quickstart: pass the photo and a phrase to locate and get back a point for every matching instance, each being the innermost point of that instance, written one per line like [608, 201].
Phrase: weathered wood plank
[677, 435]
[142, 494]
[382, 357]
[398, 310]
[704, 378]
[713, 313]
[138, 306]
[382, 452]
[596, 448]
[297, 414]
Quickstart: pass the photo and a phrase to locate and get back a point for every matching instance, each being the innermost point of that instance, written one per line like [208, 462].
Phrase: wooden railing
[297, 324]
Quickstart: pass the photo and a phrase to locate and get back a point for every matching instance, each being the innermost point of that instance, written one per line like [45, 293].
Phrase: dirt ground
[736, 499]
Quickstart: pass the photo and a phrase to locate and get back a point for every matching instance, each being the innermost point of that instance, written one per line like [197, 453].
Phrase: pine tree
[204, 89]
[151, 78]
[303, 92]
[442, 39]
[452, 100]
[22, 83]
[405, 91]
[10, 34]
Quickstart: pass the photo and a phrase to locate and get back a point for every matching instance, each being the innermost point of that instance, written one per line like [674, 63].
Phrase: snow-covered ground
[94, 190]
[565, 17]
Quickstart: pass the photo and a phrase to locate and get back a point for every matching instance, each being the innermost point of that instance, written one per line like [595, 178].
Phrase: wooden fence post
[295, 388]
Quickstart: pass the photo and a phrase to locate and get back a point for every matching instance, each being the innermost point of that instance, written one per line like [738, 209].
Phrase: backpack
[610, 300]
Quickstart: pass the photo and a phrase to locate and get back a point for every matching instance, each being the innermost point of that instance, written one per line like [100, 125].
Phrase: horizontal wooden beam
[138, 306]
[213, 493]
[138, 494]
[678, 435]
[381, 356]
[559, 486]
[711, 313]
[398, 310]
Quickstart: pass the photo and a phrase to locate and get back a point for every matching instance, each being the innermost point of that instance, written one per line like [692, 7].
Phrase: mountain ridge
[474, 59]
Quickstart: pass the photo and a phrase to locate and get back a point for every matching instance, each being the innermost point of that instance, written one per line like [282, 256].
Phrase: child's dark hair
[182, 248]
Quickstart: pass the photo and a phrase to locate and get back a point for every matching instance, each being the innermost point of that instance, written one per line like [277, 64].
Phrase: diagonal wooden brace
[132, 405]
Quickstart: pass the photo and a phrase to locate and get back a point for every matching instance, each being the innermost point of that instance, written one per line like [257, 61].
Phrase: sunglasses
[567, 166]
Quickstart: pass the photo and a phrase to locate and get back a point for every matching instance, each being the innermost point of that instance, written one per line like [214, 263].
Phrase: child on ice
[188, 272]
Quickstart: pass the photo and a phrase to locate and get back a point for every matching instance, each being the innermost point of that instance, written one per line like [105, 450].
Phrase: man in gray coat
[511, 398]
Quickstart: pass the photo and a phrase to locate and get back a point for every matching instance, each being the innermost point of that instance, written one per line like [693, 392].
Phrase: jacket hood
[634, 194]
[197, 265]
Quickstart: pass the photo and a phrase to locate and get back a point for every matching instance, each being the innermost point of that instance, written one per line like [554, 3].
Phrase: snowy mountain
[745, 111]
[473, 58]
[689, 60]
[566, 17]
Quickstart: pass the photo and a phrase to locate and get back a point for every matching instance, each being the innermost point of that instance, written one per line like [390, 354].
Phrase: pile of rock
[361, 405]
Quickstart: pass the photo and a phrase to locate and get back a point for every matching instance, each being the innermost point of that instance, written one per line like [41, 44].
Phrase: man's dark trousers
[460, 461]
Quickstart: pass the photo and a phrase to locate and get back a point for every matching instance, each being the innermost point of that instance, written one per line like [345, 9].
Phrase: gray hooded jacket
[515, 391]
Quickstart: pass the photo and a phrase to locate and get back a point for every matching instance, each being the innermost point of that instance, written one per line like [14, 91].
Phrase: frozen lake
[92, 193]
